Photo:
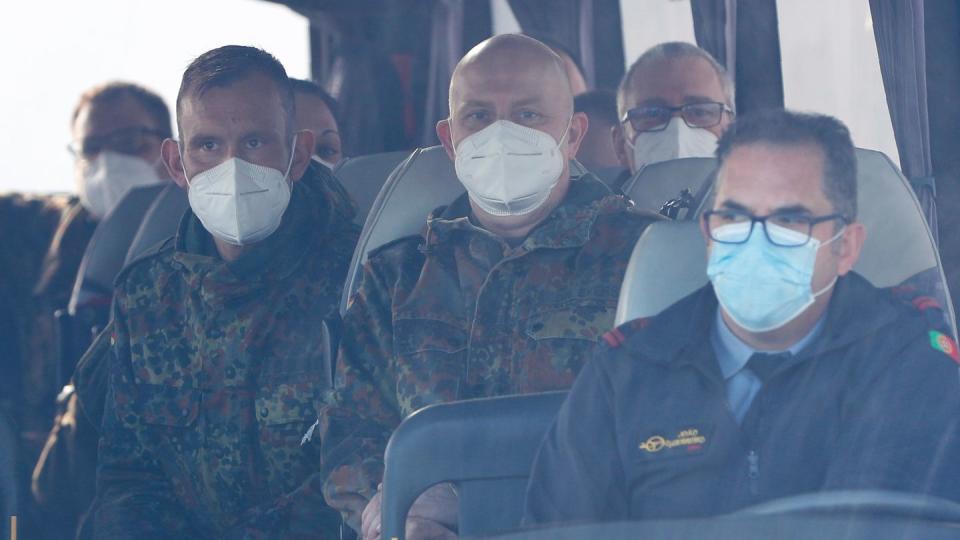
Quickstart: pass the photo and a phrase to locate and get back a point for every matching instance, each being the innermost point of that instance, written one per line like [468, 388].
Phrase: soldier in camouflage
[216, 359]
[496, 297]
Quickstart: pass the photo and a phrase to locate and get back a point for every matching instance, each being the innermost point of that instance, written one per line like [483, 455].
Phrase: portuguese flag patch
[944, 344]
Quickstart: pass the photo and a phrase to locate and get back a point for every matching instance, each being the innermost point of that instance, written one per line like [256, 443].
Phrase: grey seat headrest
[669, 260]
[363, 176]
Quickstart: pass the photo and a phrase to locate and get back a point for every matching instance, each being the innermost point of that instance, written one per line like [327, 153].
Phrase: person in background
[214, 356]
[789, 373]
[116, 130]
[318, 112]
[673, 102]
[503, 293]
[596, 152]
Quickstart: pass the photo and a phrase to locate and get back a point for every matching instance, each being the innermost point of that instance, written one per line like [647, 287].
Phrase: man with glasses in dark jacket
[787, 374]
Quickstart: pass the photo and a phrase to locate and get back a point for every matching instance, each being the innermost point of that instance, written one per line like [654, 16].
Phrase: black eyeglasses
[129, 141]
[722, 226]
[695, 115]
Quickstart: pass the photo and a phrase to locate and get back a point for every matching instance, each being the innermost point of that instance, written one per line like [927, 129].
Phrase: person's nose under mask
[677, 140]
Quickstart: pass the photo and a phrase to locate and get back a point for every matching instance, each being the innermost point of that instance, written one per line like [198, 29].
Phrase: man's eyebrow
[536, 100]
[653, 102]
[475, 103]
[793, 209]
[699, 99]
[324, 132]
[733, 205]
[198, 137]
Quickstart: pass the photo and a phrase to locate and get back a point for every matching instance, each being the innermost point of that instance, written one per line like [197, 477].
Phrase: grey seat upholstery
[418, 185]
[107, 250]
[160, 221]
[658, 183]
[363, 176]
[669, 260]
[486, 449]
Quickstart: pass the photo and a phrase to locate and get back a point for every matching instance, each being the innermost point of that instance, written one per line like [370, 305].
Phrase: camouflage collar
[313, 209]
[569, 225]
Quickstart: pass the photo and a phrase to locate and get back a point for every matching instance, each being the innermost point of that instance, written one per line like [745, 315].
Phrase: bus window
[102, 40]
[504, 21]
[830, 66]
[647, 23]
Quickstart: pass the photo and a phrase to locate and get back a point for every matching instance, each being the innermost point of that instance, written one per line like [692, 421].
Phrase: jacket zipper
[753, 472]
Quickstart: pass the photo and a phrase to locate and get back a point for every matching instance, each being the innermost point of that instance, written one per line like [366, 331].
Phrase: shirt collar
[733, 354]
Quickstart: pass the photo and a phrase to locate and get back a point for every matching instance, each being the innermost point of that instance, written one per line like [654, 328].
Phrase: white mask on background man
[240, 202]
[509, 169]
[109, 177]
[677, 140]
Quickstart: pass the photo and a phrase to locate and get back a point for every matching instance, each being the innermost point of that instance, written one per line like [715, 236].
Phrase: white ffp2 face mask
[509, 169]
[240, 202]
[109, 177]
[677, 140]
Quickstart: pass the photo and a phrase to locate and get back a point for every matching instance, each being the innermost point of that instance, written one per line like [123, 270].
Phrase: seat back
[160, 221]
[363, 176]
[657, 183]
[418, 185]
[108, 247]
[485, 447]
[669, 260]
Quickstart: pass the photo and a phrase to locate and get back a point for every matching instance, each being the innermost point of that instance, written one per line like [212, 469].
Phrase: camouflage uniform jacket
[215, 371]
[459, 313]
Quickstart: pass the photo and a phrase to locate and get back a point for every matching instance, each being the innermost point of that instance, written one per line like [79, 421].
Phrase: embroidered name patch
[688, 441]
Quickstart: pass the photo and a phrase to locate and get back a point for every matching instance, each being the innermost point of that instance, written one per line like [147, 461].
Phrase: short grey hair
[669, 51]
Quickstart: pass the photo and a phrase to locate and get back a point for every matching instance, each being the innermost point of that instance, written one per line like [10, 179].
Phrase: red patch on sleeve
[924, 303]
[614, 338]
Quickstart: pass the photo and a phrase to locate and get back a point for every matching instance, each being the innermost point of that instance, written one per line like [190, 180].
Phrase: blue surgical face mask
[763, 286]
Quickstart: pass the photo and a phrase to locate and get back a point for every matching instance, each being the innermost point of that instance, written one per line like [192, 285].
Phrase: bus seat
[669, 260]
[658, 183]
[610, 175]
[417, 186]
[88, 309]
[363, 176]
[160, 221]
[487, 449]
[108, 246]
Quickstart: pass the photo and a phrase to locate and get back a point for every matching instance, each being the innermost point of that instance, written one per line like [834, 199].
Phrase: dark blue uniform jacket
[872, 403]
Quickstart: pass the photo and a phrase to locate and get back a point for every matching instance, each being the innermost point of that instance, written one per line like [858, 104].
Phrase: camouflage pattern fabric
[215, 371]
[459, 313]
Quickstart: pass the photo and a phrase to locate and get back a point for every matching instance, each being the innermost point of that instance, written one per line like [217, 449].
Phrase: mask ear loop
[183, 164]
[293, 152]
[833, 282]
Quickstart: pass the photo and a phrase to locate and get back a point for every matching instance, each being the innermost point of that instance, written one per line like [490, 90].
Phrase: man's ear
[851, 243]
[446, 138]
[170, 155]
[620, 147]
[302, 150]
[579, 124]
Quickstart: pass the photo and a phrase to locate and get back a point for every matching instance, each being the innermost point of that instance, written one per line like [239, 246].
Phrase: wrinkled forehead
[511, 78]
[674, 82]
[102, 117]
[250, 103]
[764, 178]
